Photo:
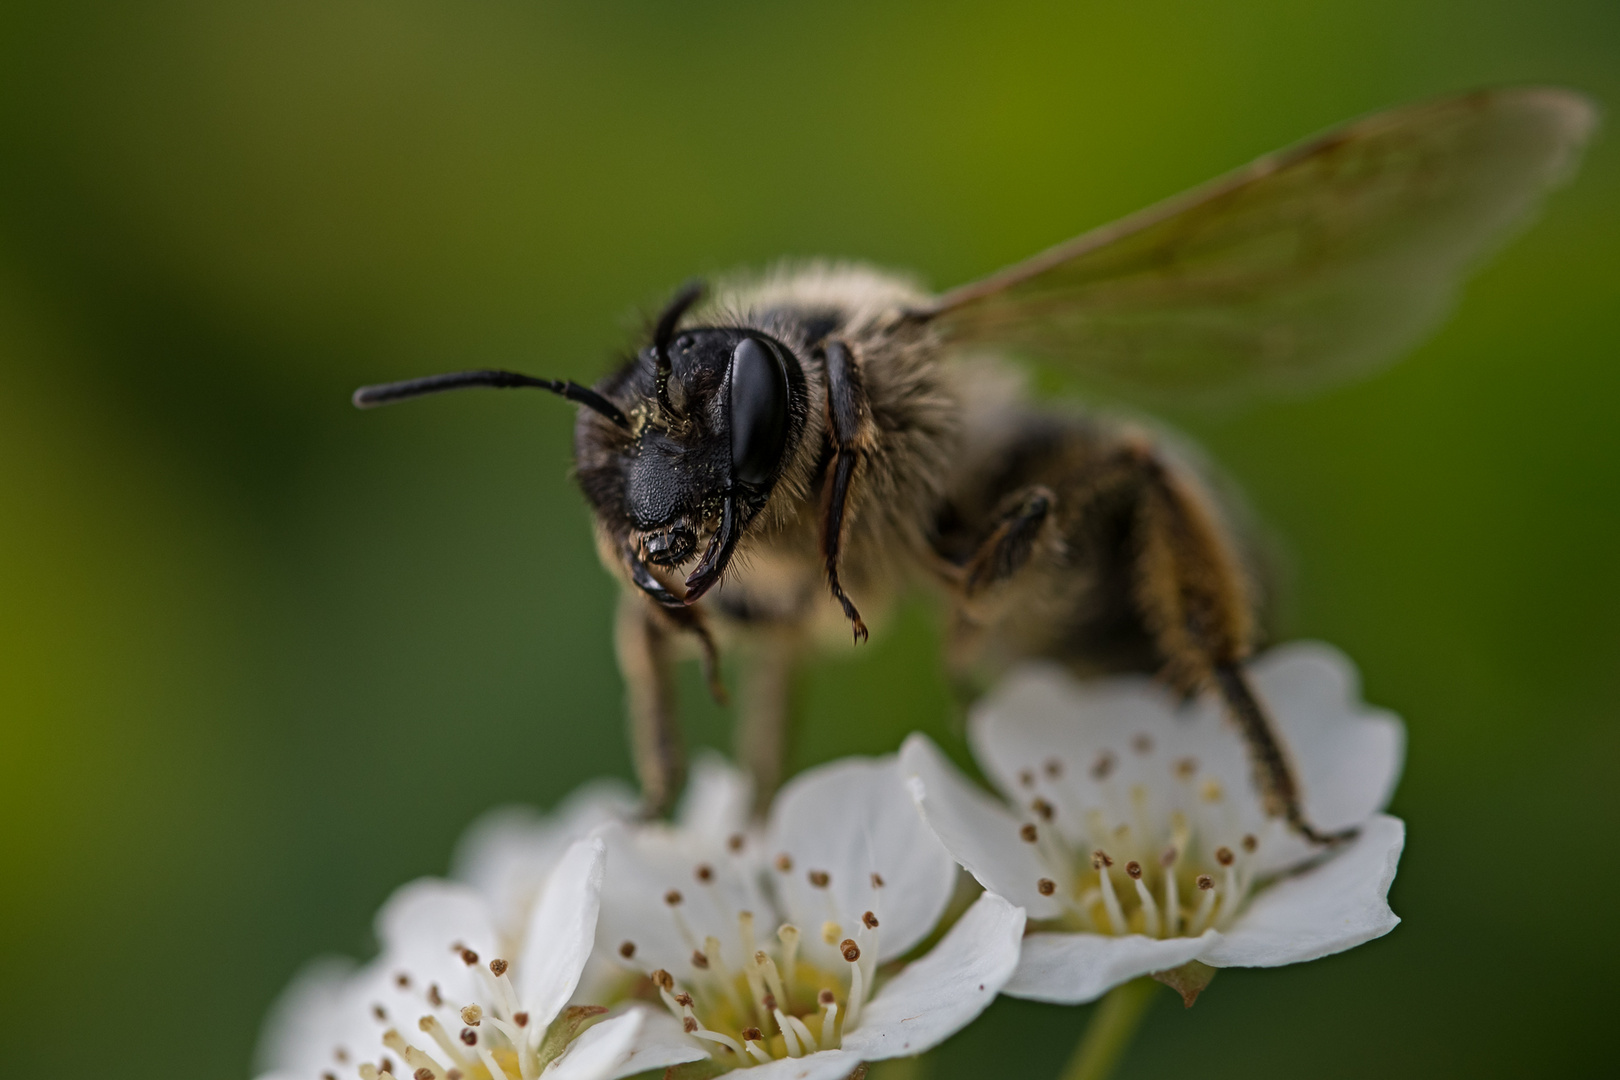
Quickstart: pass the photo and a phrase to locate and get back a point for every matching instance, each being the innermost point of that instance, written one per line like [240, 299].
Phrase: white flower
[443, 1001]
[508, 853]
[776, 951]
[1134, 837]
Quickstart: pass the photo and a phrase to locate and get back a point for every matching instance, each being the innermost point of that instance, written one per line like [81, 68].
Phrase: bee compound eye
[671, 547]
[759, 411]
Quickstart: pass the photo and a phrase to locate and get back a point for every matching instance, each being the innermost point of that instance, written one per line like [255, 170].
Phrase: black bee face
[708, 435]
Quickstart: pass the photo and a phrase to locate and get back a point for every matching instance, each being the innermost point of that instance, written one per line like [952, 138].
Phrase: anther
[689, 1024]
[704, 873]
[673, 897]
[1167, 857]
[403, 981]
[380, 1013]
[699, 960]
[498, 967]
[1103, 766]
[1142, 744]
[683, 999]
[469, 1036]
[826, 997]
[471, 1015]
[851, 951]
[521, 1019]
[877, 880]
[1026, 778]
[1100, 859]
[663, 979]
[1205, 882]
[1250, 842]
[1046, 886]
[469, 957]
[870, 920]
[1054, 768]
[1224, 856]
[831, 932]
[1043, 809]
[435, 998]
[627, 949]
[734, 842]
[752, 1034]
[1028, 834]
[1211, 791]
[770, 1001]
[1133, 870]
[784, 862]
[423, 1073]
[1186, 768]
[819, 878]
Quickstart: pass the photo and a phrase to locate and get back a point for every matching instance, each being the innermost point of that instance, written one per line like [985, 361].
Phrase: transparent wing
[1307, 266]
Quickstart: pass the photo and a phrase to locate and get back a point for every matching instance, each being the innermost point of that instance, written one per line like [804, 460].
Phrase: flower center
[756, 997]
[1118, 874]
[490, 1038]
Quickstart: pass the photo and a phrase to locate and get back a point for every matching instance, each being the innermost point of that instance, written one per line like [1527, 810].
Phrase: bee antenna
[369, 397]
[663, 333]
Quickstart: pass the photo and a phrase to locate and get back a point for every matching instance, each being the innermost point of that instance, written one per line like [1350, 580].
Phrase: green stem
[1111, 1029]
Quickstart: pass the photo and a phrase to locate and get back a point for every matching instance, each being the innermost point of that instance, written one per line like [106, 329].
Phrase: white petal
[1327, 909]
[508, 852]
[307, 1019]
[978, 830]
[659, 1043]
[599, 1053]
[852, 819]
[823, 1065]
[1069, 969]
[1348, 755]
[561, 931]
[942, 992]
[422, 920]
[718, 798]
[647, 862]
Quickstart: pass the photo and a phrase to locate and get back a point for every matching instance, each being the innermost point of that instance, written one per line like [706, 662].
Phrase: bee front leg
[642, 641]
[848, 426]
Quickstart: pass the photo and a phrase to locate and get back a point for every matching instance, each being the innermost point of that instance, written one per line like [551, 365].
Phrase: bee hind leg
[1193, 597]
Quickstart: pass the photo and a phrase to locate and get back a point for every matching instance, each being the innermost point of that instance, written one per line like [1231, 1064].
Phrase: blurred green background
[262, 657]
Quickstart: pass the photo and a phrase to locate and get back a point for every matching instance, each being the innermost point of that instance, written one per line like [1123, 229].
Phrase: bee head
[713, 415]
[677, 451]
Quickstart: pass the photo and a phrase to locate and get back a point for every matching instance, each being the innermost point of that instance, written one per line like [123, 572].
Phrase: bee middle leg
[1162, 571]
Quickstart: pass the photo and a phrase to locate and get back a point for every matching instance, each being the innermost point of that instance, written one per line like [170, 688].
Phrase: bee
[788, 452]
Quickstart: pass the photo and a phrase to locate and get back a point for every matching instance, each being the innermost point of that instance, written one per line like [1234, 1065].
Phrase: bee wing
[1310, 265]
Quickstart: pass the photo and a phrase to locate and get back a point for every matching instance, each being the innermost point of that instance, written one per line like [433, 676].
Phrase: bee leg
[1011, 543]
[765, 710]
[846, 406]
[641, 638]
[1193, 597]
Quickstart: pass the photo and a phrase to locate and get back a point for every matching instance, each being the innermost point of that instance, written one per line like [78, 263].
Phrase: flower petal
[309, 1018]
[421, 922]
[1069, 969]
[718, 798]
[1329, 908]
[1348, 755]
[507, 853]
[942, 992]
[560, 932]
[822, 1065]
[978, 830]
[659, 1043]
[851, 820]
